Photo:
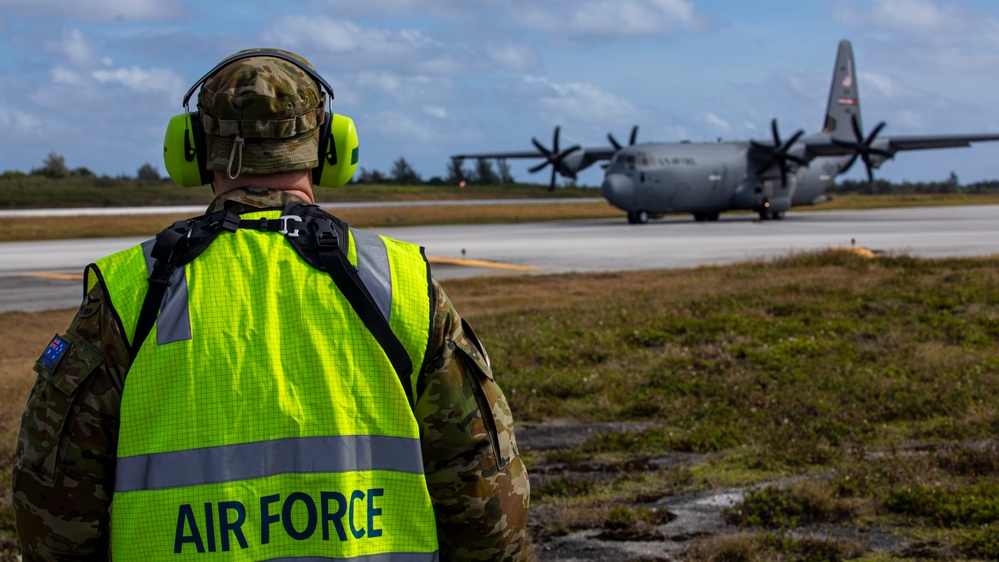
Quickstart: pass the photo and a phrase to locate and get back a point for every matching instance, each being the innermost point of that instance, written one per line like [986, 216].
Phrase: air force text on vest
[331, 516]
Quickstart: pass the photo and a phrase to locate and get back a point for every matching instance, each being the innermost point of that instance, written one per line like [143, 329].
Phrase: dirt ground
[686, 519]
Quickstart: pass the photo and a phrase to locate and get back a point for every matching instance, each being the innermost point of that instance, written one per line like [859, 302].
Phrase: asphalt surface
[46, 274]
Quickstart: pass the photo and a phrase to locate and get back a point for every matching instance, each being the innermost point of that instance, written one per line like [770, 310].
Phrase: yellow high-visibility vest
[260, 419]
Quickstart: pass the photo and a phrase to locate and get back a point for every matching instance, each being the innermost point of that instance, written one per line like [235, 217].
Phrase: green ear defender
[184, 151]
[337, 152]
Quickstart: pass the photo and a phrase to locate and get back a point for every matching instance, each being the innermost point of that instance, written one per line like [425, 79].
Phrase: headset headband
[261, 53]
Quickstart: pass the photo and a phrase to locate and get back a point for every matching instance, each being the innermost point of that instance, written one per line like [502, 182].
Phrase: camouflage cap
[262, 115]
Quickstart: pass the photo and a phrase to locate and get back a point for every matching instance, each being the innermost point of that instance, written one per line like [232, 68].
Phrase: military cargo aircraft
[768, 177]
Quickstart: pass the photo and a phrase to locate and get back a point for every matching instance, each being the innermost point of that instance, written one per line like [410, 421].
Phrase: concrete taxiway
[46, 274]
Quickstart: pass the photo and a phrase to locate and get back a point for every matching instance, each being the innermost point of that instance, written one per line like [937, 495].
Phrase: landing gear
[771, 215]
[706, 217]
[638, 217]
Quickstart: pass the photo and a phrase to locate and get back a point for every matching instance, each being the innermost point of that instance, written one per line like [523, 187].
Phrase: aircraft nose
[618, 189]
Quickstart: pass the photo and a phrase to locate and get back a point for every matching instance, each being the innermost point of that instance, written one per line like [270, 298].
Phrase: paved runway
[44, 275]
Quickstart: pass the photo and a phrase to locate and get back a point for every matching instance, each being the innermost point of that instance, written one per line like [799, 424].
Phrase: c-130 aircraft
[767, 177]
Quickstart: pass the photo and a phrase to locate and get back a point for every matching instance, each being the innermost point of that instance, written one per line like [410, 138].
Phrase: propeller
[631, 140]
[554, 158]
[779, 154]
[862, 147]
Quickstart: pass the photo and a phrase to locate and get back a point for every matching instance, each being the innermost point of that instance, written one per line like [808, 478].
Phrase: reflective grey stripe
[387, 557]
[174, 321]
[373, 267]
[302, 455]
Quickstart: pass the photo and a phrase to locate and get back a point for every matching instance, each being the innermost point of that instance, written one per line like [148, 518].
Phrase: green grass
[875, 382]
[826, 363]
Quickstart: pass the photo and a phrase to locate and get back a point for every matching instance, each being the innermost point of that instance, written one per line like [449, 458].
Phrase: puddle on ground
[695, 516]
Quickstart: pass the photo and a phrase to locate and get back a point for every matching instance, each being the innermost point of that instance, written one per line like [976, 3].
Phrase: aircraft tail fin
[844, 98]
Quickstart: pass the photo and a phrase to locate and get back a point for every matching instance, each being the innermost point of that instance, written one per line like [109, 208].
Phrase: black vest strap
[175, 246]
[327, 240]
[319, 238]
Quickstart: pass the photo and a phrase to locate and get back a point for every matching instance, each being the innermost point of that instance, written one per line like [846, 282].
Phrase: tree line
[402, 173]
[482, 172]
[884, 187]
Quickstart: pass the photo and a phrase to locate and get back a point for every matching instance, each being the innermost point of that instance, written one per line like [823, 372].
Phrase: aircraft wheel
[638, 217]
[713, 217]
[779, 215]
[700, 217]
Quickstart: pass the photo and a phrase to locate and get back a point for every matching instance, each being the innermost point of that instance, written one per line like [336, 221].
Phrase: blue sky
[97, 80]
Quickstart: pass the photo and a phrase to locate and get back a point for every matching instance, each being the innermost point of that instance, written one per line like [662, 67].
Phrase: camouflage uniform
[63, 473]
[260, 116]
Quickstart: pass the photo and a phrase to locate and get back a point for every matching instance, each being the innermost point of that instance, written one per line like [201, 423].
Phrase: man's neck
[297, 184]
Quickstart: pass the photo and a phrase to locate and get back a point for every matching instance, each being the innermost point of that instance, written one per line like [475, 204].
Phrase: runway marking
[482, 263]
[862, 252]
[67, 276]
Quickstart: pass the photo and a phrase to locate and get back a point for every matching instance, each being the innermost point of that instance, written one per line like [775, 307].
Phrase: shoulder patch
[53, 353]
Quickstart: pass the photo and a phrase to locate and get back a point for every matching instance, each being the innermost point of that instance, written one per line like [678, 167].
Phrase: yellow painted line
[68, 276]
[482, 263]
[863, 252]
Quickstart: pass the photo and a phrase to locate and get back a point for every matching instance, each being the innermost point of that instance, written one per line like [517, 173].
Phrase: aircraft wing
[920, 142]
[565, 162]
[887, 146]
[590, 154]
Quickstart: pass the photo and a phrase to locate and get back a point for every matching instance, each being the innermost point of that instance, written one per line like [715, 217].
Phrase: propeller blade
[551, 184]
[539, 167]
[540, 148]
[794, 138]
[849, 163]
[561, 155]
[779, 152]
[634, 135]
[857, 131]
[875, 132]
[613, 141]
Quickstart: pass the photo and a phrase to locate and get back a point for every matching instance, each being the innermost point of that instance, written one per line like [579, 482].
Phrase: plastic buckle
[326, 236]
[284, 225]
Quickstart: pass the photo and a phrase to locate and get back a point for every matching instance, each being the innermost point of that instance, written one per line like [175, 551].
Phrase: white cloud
[97, 10]
[142, 80]
[399, 87]
[716, 121]
[74, 47]
[578, 101]
[883, 85]
[518, 57]
[397, 8]
[398, 125]
[63, 75]
[20, 123]
[920, 18]
[346, 37]
[904, 119]
[347, 45]
[916, 16]
[598, 17]
[435, 111]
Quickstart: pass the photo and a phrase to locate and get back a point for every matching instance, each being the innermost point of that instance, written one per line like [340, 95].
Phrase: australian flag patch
[53, 353]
